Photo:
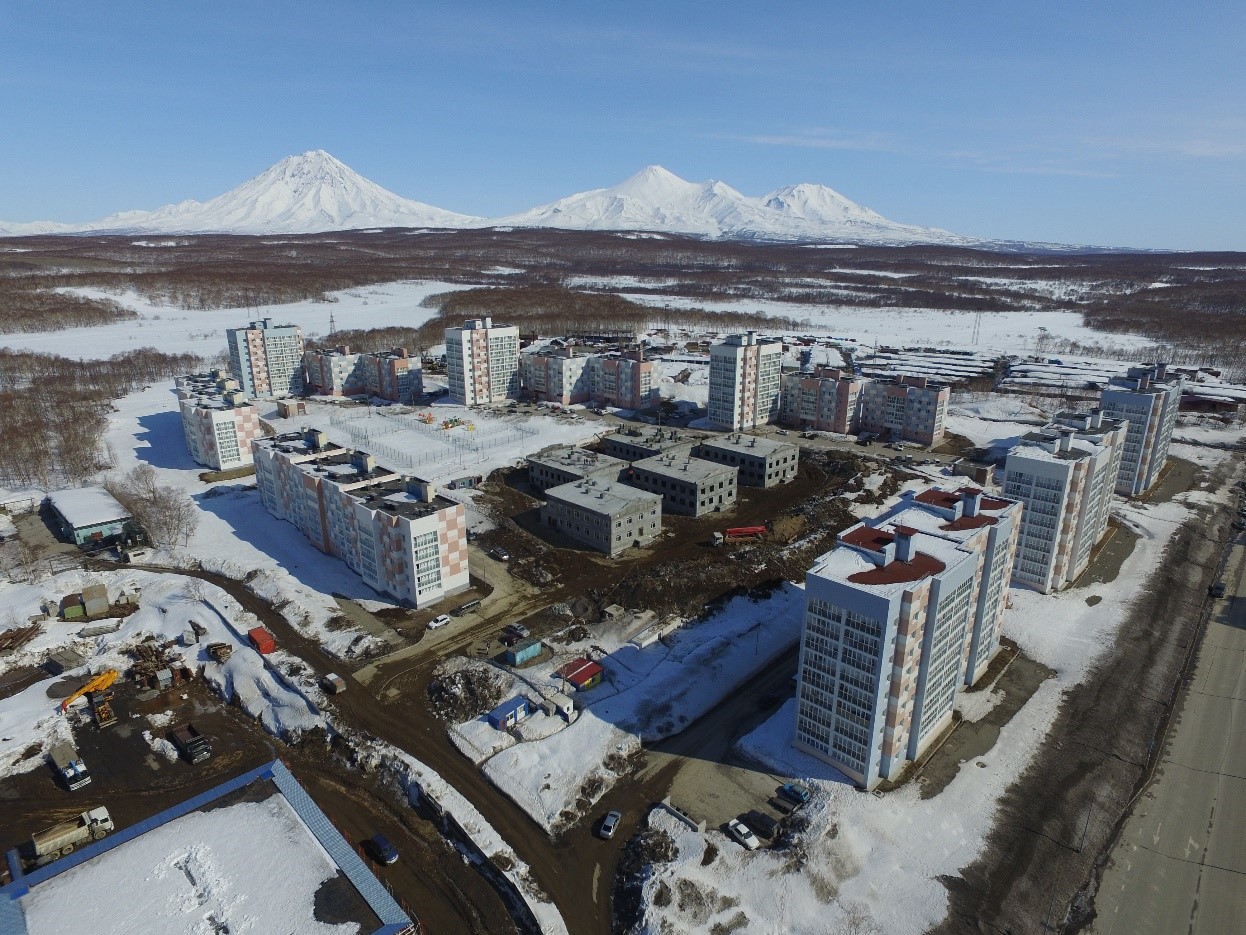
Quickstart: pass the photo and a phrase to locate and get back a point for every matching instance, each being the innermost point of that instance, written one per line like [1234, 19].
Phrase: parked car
[740, 831]
[439, 621]
[608, 825]
[500, 554]
[1217, 589]
[518, 629]
[762, 824]
[380, 850]
[508, 638]
[795, 792]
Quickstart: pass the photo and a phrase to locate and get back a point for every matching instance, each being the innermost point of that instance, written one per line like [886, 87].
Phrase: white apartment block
[396, 533]
[267, 359]
[1065, 475]
[482, 362]
[217, 420]
[826, 400]
[905, 408]
[744, 382]
[1149, 399]
[899, 615]
[557, 376]
[392, 375]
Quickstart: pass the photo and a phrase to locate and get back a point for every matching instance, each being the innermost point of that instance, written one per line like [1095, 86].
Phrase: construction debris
[13, 639]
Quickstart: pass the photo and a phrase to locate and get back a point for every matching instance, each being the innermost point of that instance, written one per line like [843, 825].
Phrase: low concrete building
[689, 486]
[763, 462]
[88, 515]
[605, 516]
[566, 465]
[633, 444]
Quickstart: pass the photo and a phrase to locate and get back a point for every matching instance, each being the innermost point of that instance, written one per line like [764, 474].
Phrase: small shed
[95, 600]
[582, 673]
[263, 641]
[613, 612]
[88, 515]
[289, 408]
[521, 652]
[556, 703]
[509, 713]
[72, 608]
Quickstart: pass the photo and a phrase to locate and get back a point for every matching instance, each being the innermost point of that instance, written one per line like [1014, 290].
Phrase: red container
[262, 640]
[746, 531]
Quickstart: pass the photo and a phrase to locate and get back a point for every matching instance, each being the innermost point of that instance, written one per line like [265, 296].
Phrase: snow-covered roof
[87, 506]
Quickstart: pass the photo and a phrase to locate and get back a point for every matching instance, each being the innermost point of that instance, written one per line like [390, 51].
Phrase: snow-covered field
[874, 864]
[646, 694]
[247, 867]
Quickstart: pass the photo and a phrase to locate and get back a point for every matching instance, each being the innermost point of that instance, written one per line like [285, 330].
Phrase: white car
[439, 621]
[741, 832]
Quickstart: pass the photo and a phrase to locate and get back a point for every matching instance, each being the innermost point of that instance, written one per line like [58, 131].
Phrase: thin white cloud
[817, 139]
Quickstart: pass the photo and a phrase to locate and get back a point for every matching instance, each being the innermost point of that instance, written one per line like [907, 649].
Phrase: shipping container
[263, 641]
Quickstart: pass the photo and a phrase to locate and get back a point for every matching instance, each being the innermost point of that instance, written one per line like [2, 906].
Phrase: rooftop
[253, 854]
[684, 467]
[931, 555]
[568, 458]
[87, 506]
[746, 444]
[658, 439]
[601, 496]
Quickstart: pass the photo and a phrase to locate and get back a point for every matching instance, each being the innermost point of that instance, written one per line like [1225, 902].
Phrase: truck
[60, 840]
[740, 534]
[263, 641]
[69, 766]
[333, 683]
[190, 743]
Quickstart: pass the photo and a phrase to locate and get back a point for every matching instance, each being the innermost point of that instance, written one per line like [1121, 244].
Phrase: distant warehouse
[604, 516]
[566, 465]
[688, 485]
[762, 461]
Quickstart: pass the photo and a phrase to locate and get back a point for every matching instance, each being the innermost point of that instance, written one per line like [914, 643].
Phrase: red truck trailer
[263, 641]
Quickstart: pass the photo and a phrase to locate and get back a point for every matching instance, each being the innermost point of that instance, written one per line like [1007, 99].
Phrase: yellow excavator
[97, 684]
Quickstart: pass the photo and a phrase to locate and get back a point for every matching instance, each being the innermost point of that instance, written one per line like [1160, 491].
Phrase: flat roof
[684, 467]
[601, 496]
[570, 458]
[87, 506]
[252, 853]
[658, 440]
[932, 555]
[747, 444]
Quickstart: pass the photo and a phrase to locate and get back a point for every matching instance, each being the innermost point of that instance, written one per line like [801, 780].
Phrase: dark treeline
[25, 306]
[53, 410]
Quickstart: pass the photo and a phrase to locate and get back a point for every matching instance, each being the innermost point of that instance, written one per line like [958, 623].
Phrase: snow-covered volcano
[655, 199]
[315, 192]
[303, 194]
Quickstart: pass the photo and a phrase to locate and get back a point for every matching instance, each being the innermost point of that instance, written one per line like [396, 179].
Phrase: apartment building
[1064, 474]
[605, 516]
[826, 400]
[905, 408]
[565, 465]
[888, 613]
[482, 362]
[396, 532]
[267, 359]
[763, 462]
[635, 444]
[393, 375]
[218, 421]
[744, 382]
[556, 375]
[1148, 398]
[624, 380]
[688, 486]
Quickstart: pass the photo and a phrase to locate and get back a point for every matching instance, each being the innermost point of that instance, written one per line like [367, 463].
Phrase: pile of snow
[160, 745]
[248, 867]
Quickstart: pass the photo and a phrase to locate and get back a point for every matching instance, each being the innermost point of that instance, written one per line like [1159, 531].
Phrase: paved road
[1180, 865]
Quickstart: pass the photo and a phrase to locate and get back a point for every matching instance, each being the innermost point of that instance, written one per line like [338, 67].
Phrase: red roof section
[940, 498]
[867, 537]
[579, 671]
[969, 522]
[922, 566]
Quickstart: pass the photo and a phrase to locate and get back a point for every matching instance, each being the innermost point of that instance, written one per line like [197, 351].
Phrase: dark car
[795, 792]
[380, 850]
[762, 824]
[1218, 589]
[499, 554]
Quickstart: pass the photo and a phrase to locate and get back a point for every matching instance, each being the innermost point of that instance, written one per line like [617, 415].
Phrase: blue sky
[1105, 123]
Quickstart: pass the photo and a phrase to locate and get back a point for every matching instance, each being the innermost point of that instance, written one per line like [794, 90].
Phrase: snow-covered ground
[874, 864]
[247, 867]
[178, 330]
[646, 694]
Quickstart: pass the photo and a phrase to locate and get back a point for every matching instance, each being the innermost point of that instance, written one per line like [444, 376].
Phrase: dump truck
[740, 534]
[61, 839]
[69, 766]
[101, 704]
[190, 743]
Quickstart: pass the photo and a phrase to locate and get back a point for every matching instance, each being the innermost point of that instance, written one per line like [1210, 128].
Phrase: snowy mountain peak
[814, 202]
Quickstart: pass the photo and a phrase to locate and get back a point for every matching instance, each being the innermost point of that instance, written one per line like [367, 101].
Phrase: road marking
[596, 877]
